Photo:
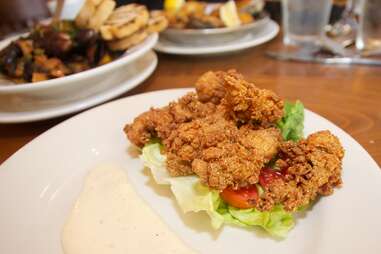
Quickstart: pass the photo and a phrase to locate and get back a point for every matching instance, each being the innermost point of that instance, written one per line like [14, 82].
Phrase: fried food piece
[178, 167]
[246, 102]
[189, 108]
[228, 164]
[246, 18]
[219, 153]
[210, 87]
[151, 124]
[191, 139]
[161, 122]
[313, 167]
[177, 20]
[202, 21]
[193, 15]
[180, 18]
[190, 8]
[266, 142]
[224, 134]
[242, 100]
[188, 140]
[237, 163]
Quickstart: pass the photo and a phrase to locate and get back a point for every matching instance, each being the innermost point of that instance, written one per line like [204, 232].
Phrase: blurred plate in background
[255, 36]
[215, 36]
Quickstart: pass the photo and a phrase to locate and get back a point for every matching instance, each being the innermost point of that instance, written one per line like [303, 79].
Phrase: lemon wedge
[229, 14]
[173, 5]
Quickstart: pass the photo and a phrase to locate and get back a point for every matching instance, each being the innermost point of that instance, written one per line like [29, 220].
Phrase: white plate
[118, 83]
[39, 183]
[255, 38]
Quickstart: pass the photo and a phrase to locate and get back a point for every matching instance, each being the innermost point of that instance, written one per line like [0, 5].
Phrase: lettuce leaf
[291, 124]
[192, 196]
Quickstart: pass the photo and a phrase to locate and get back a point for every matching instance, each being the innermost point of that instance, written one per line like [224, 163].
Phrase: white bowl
[212, 36]
[60, 91]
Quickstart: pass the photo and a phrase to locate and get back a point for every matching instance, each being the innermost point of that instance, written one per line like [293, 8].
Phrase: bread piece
[157, 22]
[125, 21]
[125, 13]
[102, 12]
[96, 2]
[106, 32]
[139, 22]
[128, 42]
[84, 15]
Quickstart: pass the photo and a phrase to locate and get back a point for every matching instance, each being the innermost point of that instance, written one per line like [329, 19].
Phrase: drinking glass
[304, 20]
[369, 32]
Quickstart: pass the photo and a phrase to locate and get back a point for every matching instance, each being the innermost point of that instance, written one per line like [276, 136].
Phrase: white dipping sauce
[110, 218]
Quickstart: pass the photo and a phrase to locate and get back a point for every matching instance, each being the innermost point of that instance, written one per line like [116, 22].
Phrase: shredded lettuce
[192, 196]
[291, 124]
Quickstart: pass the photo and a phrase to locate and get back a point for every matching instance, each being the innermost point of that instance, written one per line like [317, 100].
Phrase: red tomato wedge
[242, 198]
[268, 176]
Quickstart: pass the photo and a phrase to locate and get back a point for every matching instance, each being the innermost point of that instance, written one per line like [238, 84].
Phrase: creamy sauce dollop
[110, 218]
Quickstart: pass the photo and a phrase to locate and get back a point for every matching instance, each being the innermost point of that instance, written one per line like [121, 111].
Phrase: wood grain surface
[349, 96]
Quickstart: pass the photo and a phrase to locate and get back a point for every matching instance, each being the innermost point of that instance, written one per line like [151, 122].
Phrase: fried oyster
[226, 133]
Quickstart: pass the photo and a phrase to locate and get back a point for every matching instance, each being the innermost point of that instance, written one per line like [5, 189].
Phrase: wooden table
[349, 96]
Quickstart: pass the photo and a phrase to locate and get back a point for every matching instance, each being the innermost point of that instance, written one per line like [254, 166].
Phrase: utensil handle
[58, 10]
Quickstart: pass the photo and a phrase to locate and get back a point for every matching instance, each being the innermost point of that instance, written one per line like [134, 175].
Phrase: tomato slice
[268, 176]
[242, 198]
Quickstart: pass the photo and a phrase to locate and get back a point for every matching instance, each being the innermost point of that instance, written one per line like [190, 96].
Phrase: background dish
[118, 83]
[215, 36]
[36, 190]
[256, 37]
[57, 92]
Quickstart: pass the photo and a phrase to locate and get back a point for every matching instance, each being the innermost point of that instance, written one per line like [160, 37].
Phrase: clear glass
[304, 20]
[369, 32]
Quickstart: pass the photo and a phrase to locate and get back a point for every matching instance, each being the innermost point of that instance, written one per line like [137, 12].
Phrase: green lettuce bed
[192, 196]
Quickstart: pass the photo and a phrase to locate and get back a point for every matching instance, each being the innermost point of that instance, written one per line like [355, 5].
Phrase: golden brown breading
[245, 102]
[188, 140]
[263, 106]
[210, 87]
[161, 122]
[266, 141]
[219, 153]
[150, 124]
[228, 164]
[313, 167]
[237, 162]
[189, 107]
[201, 20]
[178, 167]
